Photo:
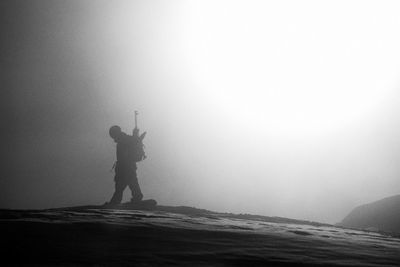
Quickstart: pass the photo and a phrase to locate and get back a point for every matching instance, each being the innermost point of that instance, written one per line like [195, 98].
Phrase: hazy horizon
[274, 108]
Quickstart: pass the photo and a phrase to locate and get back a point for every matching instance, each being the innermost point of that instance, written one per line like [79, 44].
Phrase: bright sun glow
[300, 72]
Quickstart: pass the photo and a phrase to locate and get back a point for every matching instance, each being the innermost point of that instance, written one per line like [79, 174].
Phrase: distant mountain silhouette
[382, 215]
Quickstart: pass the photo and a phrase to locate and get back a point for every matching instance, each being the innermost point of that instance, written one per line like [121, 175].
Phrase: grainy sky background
[281, 108]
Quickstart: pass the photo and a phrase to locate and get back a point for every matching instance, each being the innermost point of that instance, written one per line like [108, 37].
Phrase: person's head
[115, 132]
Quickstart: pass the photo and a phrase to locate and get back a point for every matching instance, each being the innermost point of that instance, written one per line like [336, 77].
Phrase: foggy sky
[282, 109]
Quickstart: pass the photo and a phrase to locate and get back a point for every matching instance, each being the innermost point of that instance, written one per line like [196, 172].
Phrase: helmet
[114, 131]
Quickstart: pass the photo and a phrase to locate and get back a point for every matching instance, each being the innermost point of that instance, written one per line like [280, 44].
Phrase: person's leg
[135, 188]
[119, 190]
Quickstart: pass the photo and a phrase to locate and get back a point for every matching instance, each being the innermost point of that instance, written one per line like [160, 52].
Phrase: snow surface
[94, 236]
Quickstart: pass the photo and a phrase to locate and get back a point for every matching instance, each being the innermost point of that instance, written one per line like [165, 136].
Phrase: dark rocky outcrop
[382, 215]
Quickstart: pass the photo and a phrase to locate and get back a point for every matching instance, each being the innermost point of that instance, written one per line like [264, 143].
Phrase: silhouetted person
[125, 166]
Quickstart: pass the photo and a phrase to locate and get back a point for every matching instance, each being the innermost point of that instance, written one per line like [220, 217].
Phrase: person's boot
[137, 198]
[109, 205]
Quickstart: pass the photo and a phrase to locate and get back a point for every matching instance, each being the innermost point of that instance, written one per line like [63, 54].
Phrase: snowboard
[147, 204]
[142, 204]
